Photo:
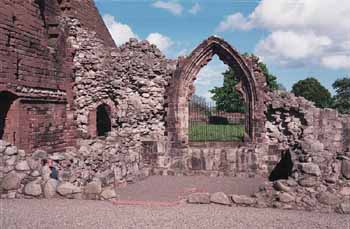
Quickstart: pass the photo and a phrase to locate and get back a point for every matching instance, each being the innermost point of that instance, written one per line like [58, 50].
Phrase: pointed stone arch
[252, 87]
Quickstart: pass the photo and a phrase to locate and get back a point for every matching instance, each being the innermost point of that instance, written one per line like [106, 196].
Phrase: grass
[216, 132]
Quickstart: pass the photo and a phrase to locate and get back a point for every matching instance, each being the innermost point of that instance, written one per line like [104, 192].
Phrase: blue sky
[295, 38]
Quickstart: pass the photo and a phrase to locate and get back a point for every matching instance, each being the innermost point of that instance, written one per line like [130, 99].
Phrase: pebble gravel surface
[99, 214]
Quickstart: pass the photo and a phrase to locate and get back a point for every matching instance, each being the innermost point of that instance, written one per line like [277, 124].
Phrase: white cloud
[337, 61]
[161, 41]
[173, 7]
[301, 31]
[121, 33]
[195, 9]
[287, 46]
[234, 21]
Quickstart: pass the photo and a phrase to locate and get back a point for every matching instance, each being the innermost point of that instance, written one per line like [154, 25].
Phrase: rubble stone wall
[93, 171]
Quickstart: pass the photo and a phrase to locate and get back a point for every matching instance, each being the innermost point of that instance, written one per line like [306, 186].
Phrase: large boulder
[328, 198]
[66, 188]
[12, 181]
[345, 168]
[3, 146]
[310, 168]
[108, 194]
[244, 200]
[50, 188]
[279, 185]
[344, 208]
[199, 198]
[285, 197]
[220, 198]
[308, 181]
[93, 187]
[22, 166]
[345, 191]
[39, 154]
[11, 150]
[33, 188]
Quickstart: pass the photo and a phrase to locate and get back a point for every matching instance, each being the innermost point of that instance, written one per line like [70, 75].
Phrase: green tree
[311, 89]
[271, 80]
[226, 97]
[342, 97]
[281, 87]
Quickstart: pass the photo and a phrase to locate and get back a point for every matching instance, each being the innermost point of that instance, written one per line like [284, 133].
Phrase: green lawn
[215, 132]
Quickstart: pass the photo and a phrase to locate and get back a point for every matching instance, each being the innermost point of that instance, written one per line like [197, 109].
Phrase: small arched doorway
[8, 117]
[103, 120]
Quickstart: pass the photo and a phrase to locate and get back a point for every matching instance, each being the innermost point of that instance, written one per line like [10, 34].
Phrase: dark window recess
[283, 169]
[103, 120]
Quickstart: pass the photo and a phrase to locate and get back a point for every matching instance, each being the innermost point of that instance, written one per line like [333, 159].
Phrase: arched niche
[102, 118]
[183, 87]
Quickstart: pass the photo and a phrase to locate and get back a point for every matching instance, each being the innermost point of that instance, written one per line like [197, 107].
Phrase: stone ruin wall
[133, 80]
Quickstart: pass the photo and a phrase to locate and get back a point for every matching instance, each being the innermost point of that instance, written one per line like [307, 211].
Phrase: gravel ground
[171, 188]
[98, 214]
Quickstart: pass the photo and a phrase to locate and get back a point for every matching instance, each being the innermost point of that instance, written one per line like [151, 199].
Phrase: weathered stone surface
[308, 181]
[57, 157]
[22, 166]
[33, 188]
[345, 191]
[280, 186]
[244, 200]
[345, 168]
[344, 208]
[328, 198]
[108, 194]
[50, 188]
[311, 168]
[11, 181]
[35, 173]
[93, 187]
[3, 146]
[11, 150]
[39, 154]
[220, 198]
[67, 188]
[199, 198]
[285, 198]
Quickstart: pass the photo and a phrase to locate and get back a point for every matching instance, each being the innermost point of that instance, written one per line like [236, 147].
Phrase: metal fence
[206, 123]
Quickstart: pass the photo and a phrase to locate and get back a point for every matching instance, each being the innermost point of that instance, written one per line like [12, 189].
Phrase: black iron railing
[206, 123]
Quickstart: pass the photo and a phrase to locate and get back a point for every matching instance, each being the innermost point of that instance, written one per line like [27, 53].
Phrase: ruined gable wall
[131, 80]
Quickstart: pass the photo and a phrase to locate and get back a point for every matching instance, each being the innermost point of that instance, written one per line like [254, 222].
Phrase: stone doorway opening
[103, 120]
[216, 110]
[8, 117]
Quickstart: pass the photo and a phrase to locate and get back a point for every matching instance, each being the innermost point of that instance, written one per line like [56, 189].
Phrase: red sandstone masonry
[34, 54]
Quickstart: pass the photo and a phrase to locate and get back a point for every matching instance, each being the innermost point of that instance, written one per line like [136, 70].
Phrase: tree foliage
[342, 97]
[311, 89]
[226, 97]
[271, 80]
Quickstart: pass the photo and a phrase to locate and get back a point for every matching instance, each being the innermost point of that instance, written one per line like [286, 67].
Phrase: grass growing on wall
[216, 132]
